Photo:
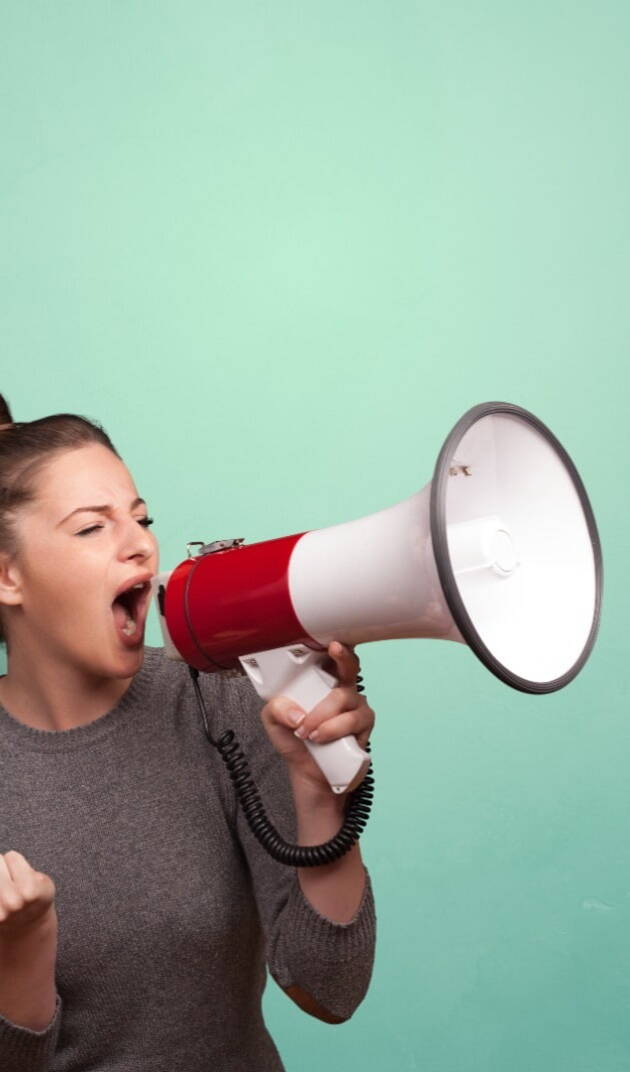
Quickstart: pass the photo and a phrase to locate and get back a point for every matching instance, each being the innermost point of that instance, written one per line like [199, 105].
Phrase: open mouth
[129, 610]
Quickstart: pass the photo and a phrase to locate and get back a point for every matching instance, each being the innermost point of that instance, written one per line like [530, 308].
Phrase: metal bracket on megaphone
[216, 545]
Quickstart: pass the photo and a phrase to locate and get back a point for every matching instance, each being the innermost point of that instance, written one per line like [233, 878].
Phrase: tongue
[121, 615]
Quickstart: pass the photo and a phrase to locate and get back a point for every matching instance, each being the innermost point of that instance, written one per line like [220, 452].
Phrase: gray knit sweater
[169, 911]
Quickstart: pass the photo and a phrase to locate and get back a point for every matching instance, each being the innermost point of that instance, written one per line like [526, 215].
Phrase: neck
[49, 694]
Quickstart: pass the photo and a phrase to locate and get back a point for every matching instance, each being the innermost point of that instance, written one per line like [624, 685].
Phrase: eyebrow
[100, 509]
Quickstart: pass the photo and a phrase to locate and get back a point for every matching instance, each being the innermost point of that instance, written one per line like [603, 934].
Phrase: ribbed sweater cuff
[29, 1051]
[328, 940]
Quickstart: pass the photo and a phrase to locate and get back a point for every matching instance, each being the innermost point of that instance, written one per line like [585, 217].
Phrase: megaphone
[499, 551]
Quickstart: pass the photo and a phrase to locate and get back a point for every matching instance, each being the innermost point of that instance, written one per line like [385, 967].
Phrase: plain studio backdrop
[278, 249]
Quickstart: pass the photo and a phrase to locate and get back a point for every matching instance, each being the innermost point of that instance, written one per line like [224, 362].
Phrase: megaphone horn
[499, 551]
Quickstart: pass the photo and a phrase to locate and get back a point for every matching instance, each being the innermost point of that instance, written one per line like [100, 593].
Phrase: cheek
[64, 588]
[59, 598]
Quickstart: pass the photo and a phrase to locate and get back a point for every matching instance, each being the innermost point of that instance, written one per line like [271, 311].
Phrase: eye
[144, 521]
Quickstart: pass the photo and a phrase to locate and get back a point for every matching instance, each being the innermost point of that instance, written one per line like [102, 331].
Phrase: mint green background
[278, 249]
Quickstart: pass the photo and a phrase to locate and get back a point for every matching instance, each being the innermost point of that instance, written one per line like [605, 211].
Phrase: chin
[127, 663]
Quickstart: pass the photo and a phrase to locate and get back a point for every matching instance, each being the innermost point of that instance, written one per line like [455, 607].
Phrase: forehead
[87, 476]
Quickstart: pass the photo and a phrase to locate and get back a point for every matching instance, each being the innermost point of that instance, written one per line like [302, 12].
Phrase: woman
[138, 914]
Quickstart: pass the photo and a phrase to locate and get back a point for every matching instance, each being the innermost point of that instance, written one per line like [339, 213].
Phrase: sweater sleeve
[331, 961]
[23, 1050]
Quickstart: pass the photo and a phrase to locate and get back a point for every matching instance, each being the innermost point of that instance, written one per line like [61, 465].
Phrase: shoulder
[163, 676]
[230, 698]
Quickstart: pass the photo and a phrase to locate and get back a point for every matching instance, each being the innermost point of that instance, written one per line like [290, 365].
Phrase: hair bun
[6, 418]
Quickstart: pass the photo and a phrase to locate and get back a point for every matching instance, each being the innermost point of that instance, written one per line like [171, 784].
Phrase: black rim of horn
[443, 561]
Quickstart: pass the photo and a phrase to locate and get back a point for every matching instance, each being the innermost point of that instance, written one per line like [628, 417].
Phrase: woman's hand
[343, 711]
[27, 897]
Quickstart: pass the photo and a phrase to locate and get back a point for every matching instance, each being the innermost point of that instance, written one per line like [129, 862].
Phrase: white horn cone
[371, 579]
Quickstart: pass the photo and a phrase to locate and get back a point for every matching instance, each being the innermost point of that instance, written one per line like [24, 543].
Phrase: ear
[10, 581]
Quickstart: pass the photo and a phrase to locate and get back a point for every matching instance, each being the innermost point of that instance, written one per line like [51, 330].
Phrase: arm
[30, 1009]
[336, 889]
[319, 923]
[27, 977]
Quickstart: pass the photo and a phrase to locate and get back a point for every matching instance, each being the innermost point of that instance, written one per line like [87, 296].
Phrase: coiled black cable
[357, 812]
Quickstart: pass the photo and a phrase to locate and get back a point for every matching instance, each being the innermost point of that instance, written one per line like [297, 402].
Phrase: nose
[137, 542]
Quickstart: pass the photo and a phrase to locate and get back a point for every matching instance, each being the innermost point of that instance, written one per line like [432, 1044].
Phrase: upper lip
[140, 578]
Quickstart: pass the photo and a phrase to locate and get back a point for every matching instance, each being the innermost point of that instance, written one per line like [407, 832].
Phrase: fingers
[25, 894]
[346, 662]
[343, 711]
[357, 723]
[20, 873]
[339, 700]
[13, 867]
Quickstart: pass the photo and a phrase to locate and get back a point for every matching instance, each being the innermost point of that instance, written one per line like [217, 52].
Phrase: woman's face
[73, 560]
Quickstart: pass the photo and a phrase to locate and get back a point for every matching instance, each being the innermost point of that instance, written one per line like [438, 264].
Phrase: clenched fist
[26, 896]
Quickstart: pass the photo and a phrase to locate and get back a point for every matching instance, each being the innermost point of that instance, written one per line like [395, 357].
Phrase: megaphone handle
[298, 672]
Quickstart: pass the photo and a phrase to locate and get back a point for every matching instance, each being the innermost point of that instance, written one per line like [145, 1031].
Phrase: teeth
[139, 585]
[129, 627]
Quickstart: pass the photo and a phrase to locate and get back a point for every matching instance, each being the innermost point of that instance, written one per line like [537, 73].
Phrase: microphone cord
[359, 802]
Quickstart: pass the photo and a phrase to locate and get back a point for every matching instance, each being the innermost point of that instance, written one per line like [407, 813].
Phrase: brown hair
[25, 448]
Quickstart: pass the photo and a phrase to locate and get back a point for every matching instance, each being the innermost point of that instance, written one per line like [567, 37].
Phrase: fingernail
[301, 733]
[336, 649]
[295, 717]
[314, 735]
